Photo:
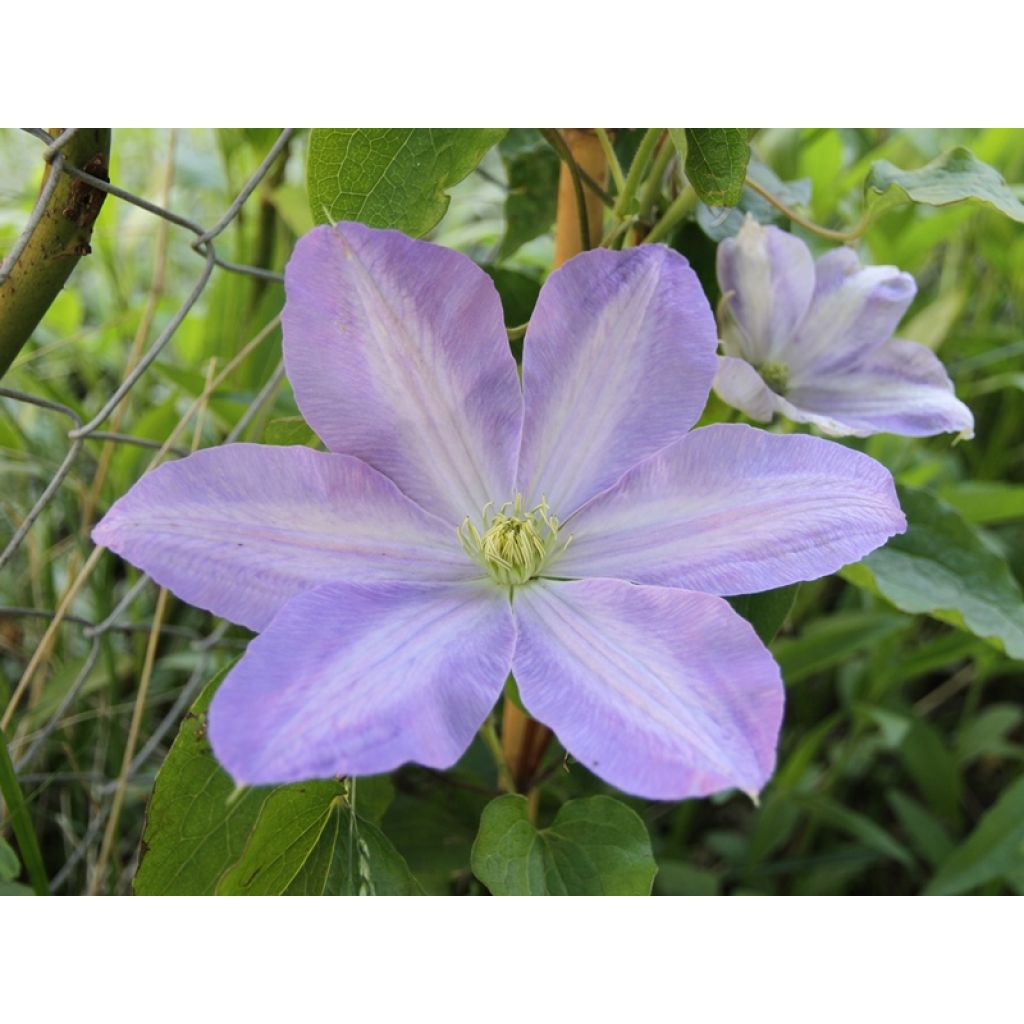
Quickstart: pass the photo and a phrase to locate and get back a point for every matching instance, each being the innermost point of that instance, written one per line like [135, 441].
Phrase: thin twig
[836, 236]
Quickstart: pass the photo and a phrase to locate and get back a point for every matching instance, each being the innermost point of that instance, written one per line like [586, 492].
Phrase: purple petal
[738, 384]
[854, 310]
[770, 274]
[355, 679]
[241, 529]
[900, 388]
[734, 510]
[617, 363]
[663, 693]
[397, 353]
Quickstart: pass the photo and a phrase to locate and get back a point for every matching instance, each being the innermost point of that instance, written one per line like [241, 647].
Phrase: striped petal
[735, 510]
[899, 388]
[358, 679]
[241, 529]
[768, 278]
[398, 355]
[663, 693]
[855, 309]
[617, 363]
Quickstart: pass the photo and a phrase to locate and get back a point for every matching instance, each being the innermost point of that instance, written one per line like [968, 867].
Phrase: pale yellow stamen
[515, 544]
[776, 376]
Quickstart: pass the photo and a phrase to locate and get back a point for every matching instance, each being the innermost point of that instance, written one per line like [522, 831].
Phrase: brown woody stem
[58, 240]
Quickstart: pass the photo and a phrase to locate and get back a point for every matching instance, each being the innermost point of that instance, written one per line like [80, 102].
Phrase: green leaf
[194, 830]
[366, 863]
[955, 177]
[719, 222]
[924, 831]
[307, 842]
[21, 823]
[677, 136]
[15, 889]
[932, 766]
[518, 293]
[10, 866]
[434, 831]
[202, 837]
[532, 167]
[992, 851]
[595, 847]
[716, 163]
[932, 325]
[290, 430]
[766, 611]
[390, 177]
[677, 878]
[290, 838]
[371, 796]
[944, 568]
[860, 827]
[986, 734]
[826, 642]
[985, 501]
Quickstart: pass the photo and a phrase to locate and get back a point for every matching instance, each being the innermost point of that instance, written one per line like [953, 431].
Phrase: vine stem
[636, 171]
[613, 161]
[489, 734]
[678, 209]
[836, 236]
[652, 187]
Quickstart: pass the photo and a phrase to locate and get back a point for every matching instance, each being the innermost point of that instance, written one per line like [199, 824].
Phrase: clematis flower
[813, 341]
[463, 526]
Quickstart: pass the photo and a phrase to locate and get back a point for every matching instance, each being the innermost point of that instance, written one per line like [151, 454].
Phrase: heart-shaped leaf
[596, 846]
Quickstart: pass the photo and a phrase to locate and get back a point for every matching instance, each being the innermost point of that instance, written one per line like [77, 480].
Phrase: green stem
[678, 209]
[636, 171]
[836, 236]
[58, 240]
[649, 193]
[613, 161]
[489, 734]
[10, 789]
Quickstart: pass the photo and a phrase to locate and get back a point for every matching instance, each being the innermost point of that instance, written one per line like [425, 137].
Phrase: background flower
[386, 639]
[813, 341]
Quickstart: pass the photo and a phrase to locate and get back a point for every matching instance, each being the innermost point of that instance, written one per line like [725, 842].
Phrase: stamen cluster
[515, 543]
[776, 376]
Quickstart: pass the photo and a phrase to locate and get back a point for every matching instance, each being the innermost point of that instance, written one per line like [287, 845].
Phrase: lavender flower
[462, 526]
[813, 341]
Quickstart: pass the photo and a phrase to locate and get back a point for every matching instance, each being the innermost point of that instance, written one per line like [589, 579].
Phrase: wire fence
[26, 745]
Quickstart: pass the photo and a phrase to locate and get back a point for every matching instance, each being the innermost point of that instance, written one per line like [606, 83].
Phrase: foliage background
[901, 757]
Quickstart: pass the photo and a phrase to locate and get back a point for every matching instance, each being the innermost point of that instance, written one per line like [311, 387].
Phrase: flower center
[514, 544]
[776, 376]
